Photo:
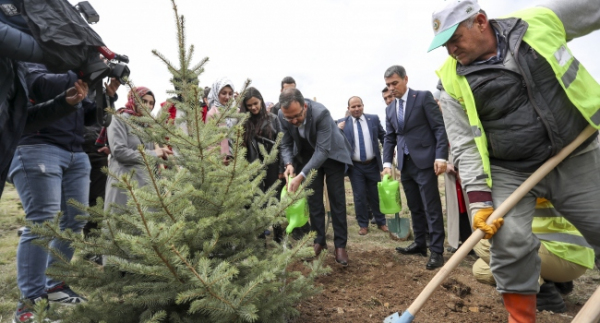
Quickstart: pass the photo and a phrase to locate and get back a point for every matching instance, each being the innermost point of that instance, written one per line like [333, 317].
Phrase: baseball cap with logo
[446, 20]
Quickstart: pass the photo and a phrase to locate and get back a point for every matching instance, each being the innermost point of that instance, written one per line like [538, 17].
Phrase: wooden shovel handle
[590, 312]
[508, 204]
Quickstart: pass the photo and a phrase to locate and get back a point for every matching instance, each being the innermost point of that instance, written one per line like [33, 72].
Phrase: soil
[378, 283]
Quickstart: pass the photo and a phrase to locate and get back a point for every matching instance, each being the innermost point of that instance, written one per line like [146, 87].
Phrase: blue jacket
[66, 132]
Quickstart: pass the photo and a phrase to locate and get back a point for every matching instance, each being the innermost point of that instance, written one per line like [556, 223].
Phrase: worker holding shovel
[513, 95]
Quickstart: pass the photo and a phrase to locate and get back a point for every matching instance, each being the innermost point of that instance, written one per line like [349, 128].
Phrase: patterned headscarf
[129, 109]
[131, 100]
[213, 96]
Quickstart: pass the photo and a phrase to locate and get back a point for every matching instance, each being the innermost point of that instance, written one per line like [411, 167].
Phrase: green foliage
[185, 248]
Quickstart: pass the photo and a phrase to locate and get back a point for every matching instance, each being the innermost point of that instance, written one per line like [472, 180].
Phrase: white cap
[446, 20]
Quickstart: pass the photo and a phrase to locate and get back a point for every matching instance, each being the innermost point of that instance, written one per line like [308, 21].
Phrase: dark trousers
[423, 198]
[97, 183]
[333, 172]
[364, 179]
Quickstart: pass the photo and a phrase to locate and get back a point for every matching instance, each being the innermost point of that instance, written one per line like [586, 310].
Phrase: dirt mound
[379, 283]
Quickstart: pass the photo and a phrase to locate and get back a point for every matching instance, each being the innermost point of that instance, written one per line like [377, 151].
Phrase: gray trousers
[573, 187]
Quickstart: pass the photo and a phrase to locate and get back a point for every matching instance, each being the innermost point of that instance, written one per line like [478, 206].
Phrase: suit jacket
[424, 131]
[375, 130]
[323, 135]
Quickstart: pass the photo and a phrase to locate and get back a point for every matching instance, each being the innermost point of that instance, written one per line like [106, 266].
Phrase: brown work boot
[318, 248]
[383, 228]
[363, 231]
[341, 257]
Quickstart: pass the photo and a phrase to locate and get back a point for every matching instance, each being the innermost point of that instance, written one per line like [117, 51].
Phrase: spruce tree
[186, 247]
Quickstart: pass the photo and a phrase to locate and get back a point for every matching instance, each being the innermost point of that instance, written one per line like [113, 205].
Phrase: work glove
[480, 218]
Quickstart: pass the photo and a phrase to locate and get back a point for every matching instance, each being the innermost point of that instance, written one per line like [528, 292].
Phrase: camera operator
[48, 169]
[17, 114]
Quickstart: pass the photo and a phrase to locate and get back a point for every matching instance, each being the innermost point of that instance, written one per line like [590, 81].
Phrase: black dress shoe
[436, 260]
[413, 249]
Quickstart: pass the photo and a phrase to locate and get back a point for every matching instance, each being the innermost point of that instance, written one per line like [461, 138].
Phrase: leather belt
[365, 162]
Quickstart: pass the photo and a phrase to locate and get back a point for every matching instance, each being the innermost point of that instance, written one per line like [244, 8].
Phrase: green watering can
[297, 213]
[389, 195]
[390, 203]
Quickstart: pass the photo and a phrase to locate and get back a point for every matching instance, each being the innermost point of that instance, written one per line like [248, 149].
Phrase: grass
[11, 218]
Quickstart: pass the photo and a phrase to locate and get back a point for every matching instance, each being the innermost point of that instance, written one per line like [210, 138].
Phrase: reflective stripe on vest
[545, 33]
[559, 236]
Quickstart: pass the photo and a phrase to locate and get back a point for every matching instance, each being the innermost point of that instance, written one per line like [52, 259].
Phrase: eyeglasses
[290, 119]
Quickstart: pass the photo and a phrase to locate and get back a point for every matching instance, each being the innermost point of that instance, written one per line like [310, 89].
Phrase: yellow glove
[479, 222]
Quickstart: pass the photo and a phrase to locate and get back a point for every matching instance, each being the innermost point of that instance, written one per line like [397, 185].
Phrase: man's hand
[481, 217]
[112, 88]
[289, 171]
[77, 93]
[439, 167]
[295, 183]
[341, 125]
[386, 171]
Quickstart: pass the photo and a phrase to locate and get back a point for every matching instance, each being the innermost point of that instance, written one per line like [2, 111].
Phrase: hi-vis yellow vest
[559, 236]
[546, 34]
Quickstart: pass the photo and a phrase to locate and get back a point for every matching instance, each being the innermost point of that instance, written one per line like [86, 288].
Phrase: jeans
[46, 178]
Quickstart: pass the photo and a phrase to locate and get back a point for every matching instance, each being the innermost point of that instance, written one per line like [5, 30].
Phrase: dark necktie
[361, 142]
[401, 142]
[401, 114]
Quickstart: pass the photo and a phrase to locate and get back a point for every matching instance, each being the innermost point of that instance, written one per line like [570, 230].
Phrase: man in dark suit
[415, 126]
[363, 132]
[312, 140]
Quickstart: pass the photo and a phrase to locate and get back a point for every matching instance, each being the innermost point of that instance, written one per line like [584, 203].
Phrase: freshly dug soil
[378, 283]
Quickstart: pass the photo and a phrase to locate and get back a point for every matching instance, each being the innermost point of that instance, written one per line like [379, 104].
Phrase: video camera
[96, 69]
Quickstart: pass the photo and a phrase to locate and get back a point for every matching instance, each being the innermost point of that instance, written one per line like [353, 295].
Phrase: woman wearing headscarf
[125, 156]
[220, 93]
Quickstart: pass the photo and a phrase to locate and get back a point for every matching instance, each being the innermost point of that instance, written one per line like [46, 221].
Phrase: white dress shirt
[366, 136]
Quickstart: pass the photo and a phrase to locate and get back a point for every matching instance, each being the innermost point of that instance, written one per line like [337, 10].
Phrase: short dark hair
[206, 92]
[288, 96]
[287, 80]
[395, 69]
[385, 89]
[352, 97]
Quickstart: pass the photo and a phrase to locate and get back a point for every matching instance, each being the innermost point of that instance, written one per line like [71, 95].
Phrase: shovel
[399, 227]
[409, 315]
[327, 207]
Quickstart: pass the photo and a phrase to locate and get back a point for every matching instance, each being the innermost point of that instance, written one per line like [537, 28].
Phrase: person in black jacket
[48, 169]
[17, 114]
[262, 128]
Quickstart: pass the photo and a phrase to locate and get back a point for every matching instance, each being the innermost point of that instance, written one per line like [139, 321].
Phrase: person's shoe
[436, 260]
[548, 299]
[64, 295]
[341, 257]
[318, 248]
[413, 249]
[363, 231]
[564, 288]
[25, 310]
[383, 228]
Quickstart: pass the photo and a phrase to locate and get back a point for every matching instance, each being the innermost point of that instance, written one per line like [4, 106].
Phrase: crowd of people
[510, 96]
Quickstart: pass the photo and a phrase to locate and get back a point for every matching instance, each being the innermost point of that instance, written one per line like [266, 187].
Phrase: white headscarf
[213, 96]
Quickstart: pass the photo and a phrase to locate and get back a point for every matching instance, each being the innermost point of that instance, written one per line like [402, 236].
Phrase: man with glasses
[312, 140]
